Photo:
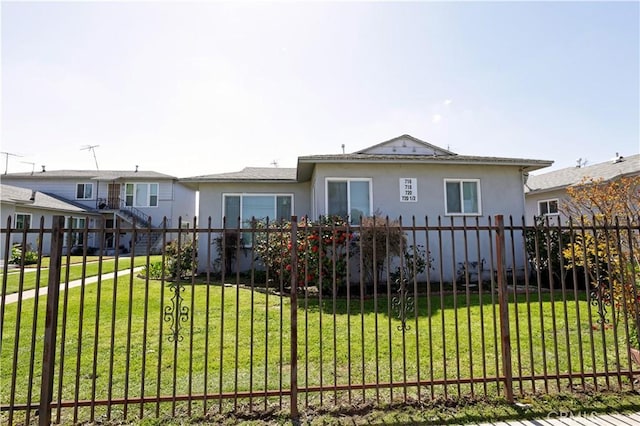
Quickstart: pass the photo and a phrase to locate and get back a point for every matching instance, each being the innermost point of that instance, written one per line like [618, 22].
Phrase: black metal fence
[295, 317]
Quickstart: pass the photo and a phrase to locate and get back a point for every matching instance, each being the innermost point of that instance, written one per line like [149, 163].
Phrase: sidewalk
[30, 294]
[575, 419]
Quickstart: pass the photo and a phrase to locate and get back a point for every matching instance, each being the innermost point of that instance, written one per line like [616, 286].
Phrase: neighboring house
[29, 209]
[546, 193]
[120, 198]
[403, 177]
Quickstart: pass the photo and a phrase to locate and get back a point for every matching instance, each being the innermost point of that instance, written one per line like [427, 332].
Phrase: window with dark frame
[84, 191]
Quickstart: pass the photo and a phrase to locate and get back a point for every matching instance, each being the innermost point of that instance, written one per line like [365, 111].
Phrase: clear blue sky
[211, 87]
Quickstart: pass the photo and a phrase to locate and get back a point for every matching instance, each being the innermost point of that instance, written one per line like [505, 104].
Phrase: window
[23, 221]
[76, 236]
[462, 196]
[141, 195]
[548, 207]
[349, 198]
[84, 191]
[246, 207]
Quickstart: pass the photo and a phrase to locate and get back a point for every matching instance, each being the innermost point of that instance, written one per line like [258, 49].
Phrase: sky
[200, 88]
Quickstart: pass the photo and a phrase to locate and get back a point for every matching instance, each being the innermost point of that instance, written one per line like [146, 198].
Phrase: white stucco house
[545, 193]
[109, 199]
[401, 177]
[23, 209]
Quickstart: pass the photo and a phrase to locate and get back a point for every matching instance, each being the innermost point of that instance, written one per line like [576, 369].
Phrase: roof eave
[231, 180]
[528, 165]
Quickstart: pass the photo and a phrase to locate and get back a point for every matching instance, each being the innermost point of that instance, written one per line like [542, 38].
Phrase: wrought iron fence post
[294, 317]
[503, 302]
[51, 321]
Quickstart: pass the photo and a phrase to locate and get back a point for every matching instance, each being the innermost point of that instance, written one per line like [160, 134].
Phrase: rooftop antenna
[33, 165]
[92, 148]
[6, 160]
[274, 163]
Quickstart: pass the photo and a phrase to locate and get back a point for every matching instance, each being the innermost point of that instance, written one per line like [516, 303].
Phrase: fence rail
[298, 316]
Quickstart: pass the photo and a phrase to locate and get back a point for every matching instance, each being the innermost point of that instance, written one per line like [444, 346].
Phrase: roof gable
[405, 145]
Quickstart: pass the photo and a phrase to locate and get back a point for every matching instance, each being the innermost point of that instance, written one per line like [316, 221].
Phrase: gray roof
[306, 164]
[248, 174]
[38, 200]
[90, 174]
[622, 166]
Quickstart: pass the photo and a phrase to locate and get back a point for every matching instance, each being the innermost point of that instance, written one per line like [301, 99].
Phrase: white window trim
[345, 179]
[71, 222]
[548, 200]
[85, 184]
[254, 194]
[461, 180]
[148, 204]
[15, 219]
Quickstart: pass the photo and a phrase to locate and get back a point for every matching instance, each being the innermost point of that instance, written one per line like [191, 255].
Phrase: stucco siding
[211, 196]
[501, 193]
[44, 217]
[532, 200]
[7, 210]
[211, 209]
[500, 188]
[183, 204]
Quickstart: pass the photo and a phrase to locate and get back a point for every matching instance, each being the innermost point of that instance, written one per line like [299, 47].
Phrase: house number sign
[408, 190]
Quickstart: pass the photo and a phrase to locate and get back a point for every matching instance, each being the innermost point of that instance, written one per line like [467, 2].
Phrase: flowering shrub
[609, 250]
[30, 256]
[322, 250]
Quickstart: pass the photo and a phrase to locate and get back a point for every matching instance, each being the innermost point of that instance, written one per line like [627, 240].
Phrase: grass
[75, 267]
[116, 344]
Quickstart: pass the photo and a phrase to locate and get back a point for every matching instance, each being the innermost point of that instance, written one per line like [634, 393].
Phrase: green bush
[30, 256]
[154, 271]
[180, 259]
[415, 260]
[179, 262]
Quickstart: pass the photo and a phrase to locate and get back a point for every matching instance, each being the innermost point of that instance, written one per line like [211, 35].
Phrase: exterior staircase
[146, 242]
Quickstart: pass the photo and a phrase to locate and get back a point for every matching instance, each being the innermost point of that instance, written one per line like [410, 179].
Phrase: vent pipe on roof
[136, 168]
[43, 170]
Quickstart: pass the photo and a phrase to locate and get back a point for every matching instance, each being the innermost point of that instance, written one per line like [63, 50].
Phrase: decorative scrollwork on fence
[600, 300]
[175, 313]
[402, 305]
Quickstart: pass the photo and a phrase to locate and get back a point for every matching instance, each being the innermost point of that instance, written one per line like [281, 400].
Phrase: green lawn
[234, 339]
[31, 278]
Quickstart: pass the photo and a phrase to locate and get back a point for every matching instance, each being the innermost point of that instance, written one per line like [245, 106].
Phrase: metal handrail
[141, 217]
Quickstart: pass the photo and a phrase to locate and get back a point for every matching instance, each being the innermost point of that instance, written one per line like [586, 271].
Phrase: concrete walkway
[565, 418]
[30, 294]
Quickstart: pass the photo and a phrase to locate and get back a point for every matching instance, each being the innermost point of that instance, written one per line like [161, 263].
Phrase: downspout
[524, 175]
